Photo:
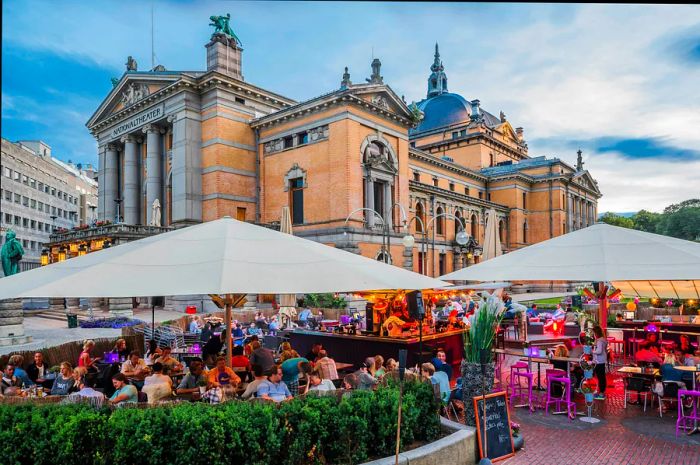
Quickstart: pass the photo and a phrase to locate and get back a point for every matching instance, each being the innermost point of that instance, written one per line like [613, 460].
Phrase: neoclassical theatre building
[209, 143]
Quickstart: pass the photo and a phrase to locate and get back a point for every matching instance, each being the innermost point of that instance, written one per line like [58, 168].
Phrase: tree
[690, 203]
[617, 220]
[683, 223]
[646, 221]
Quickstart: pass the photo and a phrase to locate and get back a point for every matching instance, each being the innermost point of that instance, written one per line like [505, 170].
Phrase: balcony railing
[128, 231]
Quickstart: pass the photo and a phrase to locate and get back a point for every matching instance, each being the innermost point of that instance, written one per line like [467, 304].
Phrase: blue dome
[443, 110]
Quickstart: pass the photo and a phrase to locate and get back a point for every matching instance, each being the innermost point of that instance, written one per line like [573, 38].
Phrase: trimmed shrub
[305, 431]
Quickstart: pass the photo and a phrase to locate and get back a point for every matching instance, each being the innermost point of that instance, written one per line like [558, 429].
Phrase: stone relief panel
[133, 93]
[313, 135]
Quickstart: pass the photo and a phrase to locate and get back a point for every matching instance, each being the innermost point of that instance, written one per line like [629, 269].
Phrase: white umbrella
[224, 256]
[636, 262]
[492, 240]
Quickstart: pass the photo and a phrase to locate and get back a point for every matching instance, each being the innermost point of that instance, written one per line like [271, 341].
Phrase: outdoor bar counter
[666, 331]
[355, 348]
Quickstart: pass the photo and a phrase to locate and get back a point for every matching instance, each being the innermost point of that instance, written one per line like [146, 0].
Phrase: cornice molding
[415, 186]
[435, 161]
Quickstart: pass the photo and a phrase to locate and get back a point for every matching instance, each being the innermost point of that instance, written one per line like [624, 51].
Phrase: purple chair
[693, 416]
[522, 392]
[345, 319]
[564, 399]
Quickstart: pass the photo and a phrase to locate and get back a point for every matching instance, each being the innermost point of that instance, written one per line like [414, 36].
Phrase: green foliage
[482, 331]
[681, 220]
[311, 430]
[327, 300]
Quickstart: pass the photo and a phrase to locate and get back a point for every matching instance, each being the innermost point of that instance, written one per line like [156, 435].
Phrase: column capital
[112, 147]
[150, 129]
[172, 118]
[130, 138]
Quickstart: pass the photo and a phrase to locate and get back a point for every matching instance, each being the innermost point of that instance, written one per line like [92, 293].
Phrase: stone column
[131, 180]
[72, 304]
[408, 258]
[57, 304]
[388, 201]
[121, 307]
[111, 179]
[570, 213]
[369, 196]
[101, 183]
[187, 169]
[154, 183]
[11, 323]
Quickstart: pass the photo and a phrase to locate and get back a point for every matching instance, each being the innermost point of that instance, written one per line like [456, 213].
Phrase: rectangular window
[47, 227]
[524, 201]
[39, 225]
[435, 182]
[53, 210]
[32, 245]
[463, 132]
[18, 198]
[8, 218]
[303, 138]
[32, 182]
[17, 176]
[455, 134]
[466, 190]
[65, 214]
[33, 203]
[25, 201]
[416, 176]
[47, 189]
[488, 196]
[25, 180]
[7, 172]
[240, 213]
[288, 142]
[53, 191]
[421, 260]
[41, 206]
[18, 220]
[296, 193]
[8, 196]
[240, 100]
[442, 264]
[25, 243]
[33, 224]
[25, 222]
[452, 188]
[481, 195]
[40, 186]
[413, 144]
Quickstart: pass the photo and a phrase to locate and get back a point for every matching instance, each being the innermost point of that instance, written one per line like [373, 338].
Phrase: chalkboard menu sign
[496, 431]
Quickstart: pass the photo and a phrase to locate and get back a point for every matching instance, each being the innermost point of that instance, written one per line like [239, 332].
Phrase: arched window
[502, 231]
[380, 169]
[458, 222]
[439, 222]
[384, 256]
[475, 228]
[420, 213]
[525, 232]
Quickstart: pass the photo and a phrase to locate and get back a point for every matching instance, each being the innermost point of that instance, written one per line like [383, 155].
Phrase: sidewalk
[47, 332]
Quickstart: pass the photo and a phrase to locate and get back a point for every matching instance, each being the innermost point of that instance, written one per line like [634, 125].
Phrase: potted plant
[478, 367]
[587, 391]
[518, 440]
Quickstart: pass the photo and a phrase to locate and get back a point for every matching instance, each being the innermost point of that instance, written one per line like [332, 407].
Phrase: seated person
[192, 381]
[18, 361]
[64, 382]
[10, 385]
[291, 369]
[157, 386]
[86, 384]
[379, 369]
[532, 312]
[312, 355]
[351, 382]
[194, 326]
[273, 388]
[652, 343]
[38, 370]
[240, 361]
[261, 356]
[326, 365]
[120, 349]
[248, 348]
[305, 315]
[252, 387]
[169, 361]
[685, 347]
[253, 330]
[317, 383]
[440, 363]
[152, 352]
[238, 331]
[135, 368]
[645, 355]
[366, 380]
[222, 375]
[124, 393]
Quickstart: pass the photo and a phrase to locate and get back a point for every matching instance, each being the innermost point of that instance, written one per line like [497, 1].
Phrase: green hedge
[311, 430]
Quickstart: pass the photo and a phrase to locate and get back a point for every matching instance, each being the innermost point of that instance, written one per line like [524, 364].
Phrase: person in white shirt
[86, 393]
[316, 383]
[326, 365]
[252, 387]
[157, 386]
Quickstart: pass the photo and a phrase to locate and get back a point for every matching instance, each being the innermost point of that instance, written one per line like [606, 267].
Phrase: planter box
[459, 448]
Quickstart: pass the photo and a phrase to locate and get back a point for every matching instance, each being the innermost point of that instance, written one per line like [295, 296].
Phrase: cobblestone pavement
[623, 437]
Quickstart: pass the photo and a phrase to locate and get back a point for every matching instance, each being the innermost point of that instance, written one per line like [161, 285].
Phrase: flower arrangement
[515, 428]
[669, 303]
[586, 388]
[483, 325]
[114, 323]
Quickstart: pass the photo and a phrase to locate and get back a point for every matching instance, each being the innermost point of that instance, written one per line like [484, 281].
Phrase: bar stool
[517, 367]
[634, 345]
[693, 416]
[520, 391]
[564, 399]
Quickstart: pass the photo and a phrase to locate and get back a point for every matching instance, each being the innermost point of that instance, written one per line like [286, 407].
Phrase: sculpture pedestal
[72, 305]
[121, 307]
[11, 323]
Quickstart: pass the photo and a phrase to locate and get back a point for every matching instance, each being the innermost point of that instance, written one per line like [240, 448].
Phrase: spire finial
[376, 77]
[579, 160]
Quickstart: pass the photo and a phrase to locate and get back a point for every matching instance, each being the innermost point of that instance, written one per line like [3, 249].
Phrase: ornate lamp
[408, 241]
[462, 238]
[44, 257]
[82, 250]
[61, 254]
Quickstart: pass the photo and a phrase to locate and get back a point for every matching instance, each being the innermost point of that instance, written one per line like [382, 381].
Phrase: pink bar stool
[634, 345]
[693, 416]
[564, 399]
[517, 367]
[522, 392]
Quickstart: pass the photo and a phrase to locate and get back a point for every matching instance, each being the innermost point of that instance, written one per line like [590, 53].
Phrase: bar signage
[145, 117]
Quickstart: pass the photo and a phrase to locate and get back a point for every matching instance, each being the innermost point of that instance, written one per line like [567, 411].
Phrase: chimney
[519, 133]
[476, 113]
[224, 55]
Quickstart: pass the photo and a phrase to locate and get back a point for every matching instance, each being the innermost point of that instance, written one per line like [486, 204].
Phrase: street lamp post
[409, 240]
[462, 237]
[384, 228]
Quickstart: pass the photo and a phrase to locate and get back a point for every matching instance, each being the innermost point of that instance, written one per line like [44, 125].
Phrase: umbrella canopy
[636, 262]
[492, 240]
[218, 257]
[287, 300]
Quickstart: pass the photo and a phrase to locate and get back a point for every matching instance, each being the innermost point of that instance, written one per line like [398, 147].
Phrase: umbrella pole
[229, 330]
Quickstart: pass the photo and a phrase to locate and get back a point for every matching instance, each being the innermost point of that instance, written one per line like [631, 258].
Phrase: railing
[110, 230]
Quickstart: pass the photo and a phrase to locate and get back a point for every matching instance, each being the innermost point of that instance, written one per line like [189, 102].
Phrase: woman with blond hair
[85, 360]
[379, 366]
[64, 382]
[287, 352]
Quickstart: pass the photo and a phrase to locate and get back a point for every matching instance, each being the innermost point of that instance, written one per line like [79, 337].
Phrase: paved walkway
[48, 332]
[623, 437]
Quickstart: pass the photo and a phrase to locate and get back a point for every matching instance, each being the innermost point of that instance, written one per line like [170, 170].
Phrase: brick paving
[623, 437]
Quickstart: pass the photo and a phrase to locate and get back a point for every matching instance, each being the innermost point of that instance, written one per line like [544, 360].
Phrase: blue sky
[618, 81]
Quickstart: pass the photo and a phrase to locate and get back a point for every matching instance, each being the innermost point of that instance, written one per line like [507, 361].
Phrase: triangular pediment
[132, 88]
[584, 178]
[384, 97]
[507, 130]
